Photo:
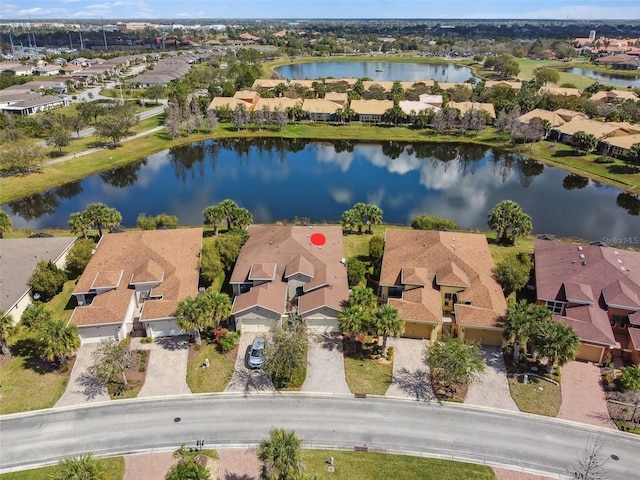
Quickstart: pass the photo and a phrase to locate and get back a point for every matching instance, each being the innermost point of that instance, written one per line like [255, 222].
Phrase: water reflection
[607, 77]
[277, 179]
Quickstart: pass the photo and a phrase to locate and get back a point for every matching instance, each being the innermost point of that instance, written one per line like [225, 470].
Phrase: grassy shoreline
[549, 153]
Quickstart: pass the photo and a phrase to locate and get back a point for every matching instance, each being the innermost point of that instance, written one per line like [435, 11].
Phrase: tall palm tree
[508, 220]
[280, 454]
[58, 340]
[5, 223]
[352, 321]
[557, 341]
[363, 297]
[521, 322]
[374, 216]
[213, 216]
[242, 218]
[228, 208]
[351, 220]
[385, 322]
[194, 315]
[220, 306]
[84, 467]
[6, 329]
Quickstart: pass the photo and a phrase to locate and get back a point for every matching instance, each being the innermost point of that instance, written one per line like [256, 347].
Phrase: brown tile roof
[371, 107]
[451, 274]
[625, 142]
[262, 271]
[614, 95]
[277, 103]
[612, 274]
[107, 279]
[634, 318]
[414, 276]
[634, 334]
[567, 114]
[559, 91]
[460, 257]
[336, 97]
[552, 117]
[319, 105]
[232, 103]
[151, 271]
[503, 83]
[138, 254]
[464, 107]
[290, 249]
[593, 127]
[578, 293]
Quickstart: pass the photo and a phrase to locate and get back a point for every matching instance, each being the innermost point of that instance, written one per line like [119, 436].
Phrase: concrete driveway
[83, 387]
[167, 372]
[490, 388]
[325, 365]
[411, 377]
[245, 379]
[583, 399]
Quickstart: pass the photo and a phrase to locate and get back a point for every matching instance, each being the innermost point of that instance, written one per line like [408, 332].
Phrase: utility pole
[104, 35]
[13, 48]
[81, 43]
[70, 42]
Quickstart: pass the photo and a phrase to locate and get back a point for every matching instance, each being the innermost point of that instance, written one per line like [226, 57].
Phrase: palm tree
[374, 216]
[522, 320]
[361, 211]
[84, 467]
[5, 223]
[508, 220]
[350, 220]
[195, 314]
[100, 215]
[228, 208]
[58, 340]
[6, 329]
[79, 224]
[352, 321]
[213, 216]
[557, 341]
[386, 322]
[220, 305]
[280, 455]
[242, 218]
[363, 297]
[188, 469]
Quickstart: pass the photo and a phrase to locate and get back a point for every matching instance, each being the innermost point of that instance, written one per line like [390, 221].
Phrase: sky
[304, 9]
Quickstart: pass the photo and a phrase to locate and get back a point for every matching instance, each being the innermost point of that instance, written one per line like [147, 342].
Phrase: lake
[608, 77]
[278, 180]
[380, 71]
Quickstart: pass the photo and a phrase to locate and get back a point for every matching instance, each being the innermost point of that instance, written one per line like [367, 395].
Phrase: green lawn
[378, 466]
[212, 379]
[114, 467]
[527, 66]
[364, 375]
[537, 396]
[62, 305]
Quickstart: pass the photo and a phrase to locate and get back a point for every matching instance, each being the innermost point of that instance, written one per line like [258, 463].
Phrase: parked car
[256, 356]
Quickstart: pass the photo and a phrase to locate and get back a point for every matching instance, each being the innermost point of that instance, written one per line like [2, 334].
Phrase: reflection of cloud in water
[376, 197]
[341, 195]
[156, 164]
[328, 154]
[261, 213]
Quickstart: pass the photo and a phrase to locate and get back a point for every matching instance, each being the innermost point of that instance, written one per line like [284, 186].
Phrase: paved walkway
[239, 464]
[490, 388]
[83, 387]
[583, 399]
[245, 379]
[167, 372]
[411, 378]
[148, 466]
[325, 365]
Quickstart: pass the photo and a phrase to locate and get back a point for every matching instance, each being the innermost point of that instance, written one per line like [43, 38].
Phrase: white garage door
[254, 325]
[163, 328]
[323, 325]
[98, 334]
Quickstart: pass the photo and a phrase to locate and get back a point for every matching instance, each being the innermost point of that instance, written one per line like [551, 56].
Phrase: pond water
[380, 71]
[281, 180]
[608, 77]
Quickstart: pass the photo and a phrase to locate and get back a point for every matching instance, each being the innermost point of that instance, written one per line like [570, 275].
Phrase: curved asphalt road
[450, 431]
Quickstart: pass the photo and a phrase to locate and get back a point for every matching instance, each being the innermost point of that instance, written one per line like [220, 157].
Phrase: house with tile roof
[320, 109]
[283, 271]
[370, 110]
[464, 107]
[601, 130]
[442, 282]
[612, 96]
[553, 118]
[134, 282]
[594, 289]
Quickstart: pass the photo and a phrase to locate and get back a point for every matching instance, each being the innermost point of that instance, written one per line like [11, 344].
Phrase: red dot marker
[318, 239]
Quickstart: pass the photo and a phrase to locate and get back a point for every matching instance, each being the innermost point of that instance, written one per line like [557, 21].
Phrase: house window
[245, 287]
[555, 307]
[395, 292]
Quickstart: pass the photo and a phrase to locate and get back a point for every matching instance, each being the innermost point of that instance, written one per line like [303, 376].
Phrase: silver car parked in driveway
[256, 355]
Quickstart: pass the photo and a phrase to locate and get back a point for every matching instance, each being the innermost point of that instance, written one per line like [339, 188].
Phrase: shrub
[390, 353]
[210, 263]
[604, 159]
[219, 333]
[355, 271]
[430, 222]
[229, 341]
[79, 256]
[513, 273]
[145, 223]
[47, 280]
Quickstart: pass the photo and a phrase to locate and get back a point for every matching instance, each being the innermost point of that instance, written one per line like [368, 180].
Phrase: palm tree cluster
[360, 215]
[533, 324]
[96, 215]
[229, 212]
[360, 315]
[195, 314]
[509, 221]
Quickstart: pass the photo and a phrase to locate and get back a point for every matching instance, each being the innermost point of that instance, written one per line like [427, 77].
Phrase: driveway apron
[325, 365]
[83, 387]
[245, 379]
[491, 388]
[167, 372]
[411, 377]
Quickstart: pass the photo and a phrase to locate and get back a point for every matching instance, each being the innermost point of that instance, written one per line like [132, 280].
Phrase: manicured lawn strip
[62, 305]
[529, 398]
[212, 379]
[379, 466]
[114, 467]
[299, 376]
[364, 375]
[500, 252]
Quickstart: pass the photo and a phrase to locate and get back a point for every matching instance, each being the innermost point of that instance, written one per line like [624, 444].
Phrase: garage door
[484, 337]
[323, 325]
[98, 334]
[163, 328]
[589, 353]
[255, 325]
[417, 330]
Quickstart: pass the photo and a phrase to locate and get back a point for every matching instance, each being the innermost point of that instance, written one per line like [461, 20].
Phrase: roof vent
[622, 268]
[619, 261]
[582, 255]
[584, 263]
[616, 252]
[580, 248]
